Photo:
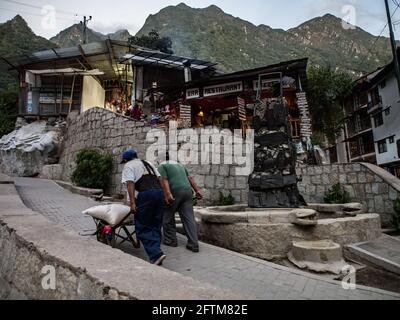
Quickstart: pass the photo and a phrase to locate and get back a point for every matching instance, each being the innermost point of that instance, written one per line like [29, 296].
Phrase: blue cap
[129, 155]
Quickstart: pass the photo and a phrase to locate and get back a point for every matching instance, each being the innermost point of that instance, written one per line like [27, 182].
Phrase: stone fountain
[277, 223]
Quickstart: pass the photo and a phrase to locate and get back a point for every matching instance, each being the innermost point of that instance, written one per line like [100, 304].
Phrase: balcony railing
[354, 127]
[358, 149]
[375, 103]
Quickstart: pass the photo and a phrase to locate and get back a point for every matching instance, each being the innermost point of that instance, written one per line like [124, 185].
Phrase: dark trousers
[183, 204]
[148, 221]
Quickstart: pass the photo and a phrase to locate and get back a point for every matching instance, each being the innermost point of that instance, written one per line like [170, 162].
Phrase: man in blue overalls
[142, 178]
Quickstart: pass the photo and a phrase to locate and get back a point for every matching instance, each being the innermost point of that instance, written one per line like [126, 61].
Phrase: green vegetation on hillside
[213, 35]
[16, 38]
[153, 41]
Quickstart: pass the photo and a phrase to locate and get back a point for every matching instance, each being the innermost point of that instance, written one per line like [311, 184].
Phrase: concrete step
[383, 253]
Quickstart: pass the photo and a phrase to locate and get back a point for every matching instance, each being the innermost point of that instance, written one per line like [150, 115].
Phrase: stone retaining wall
[370, 185]
[31, 247]
[112, 134]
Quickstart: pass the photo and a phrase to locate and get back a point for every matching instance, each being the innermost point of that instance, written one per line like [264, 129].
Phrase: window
[382, 146]
[391, 140]
[388, 111]
[378, 120]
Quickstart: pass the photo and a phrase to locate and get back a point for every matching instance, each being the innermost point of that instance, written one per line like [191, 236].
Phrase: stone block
[393, 194]
[361, 178]
[215, 169]
[356, 167]
[316, 179]
[230, 183]
[199, 180]
[325, 179]
[375, 188]
[335, 168]
[383, 188]
[379, 204]
[310, 171]
[350, 190]
[370, 177]
[219, 182]
[241, 183]
[224, 170]
[333, 178]
[389, 206]
[342, 178]
[327, 169]
[209, 182]
[352, 178]
[318, 170]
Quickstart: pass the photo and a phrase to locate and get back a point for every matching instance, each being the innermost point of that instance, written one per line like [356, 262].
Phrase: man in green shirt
[177, 185]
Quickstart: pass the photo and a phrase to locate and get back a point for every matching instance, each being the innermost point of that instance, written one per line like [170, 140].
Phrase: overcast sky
[110, 15]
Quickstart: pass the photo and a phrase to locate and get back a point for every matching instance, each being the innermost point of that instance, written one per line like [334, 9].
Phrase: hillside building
[372, 131]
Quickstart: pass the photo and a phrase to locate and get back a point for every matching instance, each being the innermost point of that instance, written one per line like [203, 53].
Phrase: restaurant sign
[216, 90]
[223, 89]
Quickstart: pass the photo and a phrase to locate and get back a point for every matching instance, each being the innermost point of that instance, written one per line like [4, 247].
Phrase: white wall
[93, 94]
[391, 123]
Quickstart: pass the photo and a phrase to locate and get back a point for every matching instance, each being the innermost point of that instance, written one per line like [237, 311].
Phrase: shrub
[226, 201]
[92, 170]
[396, 216]
[337, 195]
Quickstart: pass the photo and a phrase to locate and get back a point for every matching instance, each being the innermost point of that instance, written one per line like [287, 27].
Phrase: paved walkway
[247, 276]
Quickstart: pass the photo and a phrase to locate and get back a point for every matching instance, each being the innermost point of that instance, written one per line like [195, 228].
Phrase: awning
[67, 72]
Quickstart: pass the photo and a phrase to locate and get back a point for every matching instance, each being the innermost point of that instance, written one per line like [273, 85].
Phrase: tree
[153, 41]
[8, 110]
[327, 90]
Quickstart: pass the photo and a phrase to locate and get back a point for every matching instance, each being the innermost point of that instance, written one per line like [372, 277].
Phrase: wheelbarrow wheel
[113, 241]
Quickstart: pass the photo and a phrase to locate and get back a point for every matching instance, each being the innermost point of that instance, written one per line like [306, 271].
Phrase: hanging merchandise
[242, 109]
[185, 118]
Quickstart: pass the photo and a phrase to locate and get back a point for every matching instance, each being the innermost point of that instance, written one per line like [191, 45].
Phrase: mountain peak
[183, 5]
[214, 8]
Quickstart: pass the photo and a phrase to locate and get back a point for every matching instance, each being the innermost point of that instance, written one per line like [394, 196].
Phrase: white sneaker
[160, 260]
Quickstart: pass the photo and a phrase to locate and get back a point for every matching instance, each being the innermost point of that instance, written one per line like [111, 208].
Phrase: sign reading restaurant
[223, 89]
[216, 90]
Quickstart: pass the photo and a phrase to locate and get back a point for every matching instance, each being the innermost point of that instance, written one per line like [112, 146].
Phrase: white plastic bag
[113, 214]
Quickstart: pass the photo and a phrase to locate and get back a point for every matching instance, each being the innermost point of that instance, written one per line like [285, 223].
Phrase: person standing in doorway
[143, 179]
[177, 185]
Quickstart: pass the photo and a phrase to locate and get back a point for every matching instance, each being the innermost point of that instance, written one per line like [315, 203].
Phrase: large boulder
[26, 150]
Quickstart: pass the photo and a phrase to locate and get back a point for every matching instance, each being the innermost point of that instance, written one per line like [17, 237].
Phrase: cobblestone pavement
[231, 271]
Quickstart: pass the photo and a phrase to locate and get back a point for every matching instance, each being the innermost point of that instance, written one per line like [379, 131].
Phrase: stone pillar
[273, 184]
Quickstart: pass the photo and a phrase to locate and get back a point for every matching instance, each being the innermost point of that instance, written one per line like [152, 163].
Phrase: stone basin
[318, 256]
[269, 233]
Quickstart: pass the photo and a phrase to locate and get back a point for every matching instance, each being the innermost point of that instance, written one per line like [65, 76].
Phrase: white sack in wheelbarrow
[113, 214]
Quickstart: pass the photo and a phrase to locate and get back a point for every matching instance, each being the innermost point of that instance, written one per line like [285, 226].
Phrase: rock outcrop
[26, 150]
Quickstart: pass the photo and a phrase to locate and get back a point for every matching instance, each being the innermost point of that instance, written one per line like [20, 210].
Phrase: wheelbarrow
[109, 235]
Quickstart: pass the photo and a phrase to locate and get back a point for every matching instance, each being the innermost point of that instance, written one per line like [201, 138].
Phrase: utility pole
[394, 45]
[84, 23]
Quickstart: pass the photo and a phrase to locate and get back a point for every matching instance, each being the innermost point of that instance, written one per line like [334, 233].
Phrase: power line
[380, 35]
[37, 14]
[41, 7]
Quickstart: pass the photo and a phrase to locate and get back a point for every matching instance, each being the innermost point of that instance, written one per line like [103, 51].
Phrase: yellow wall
[93, 94]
